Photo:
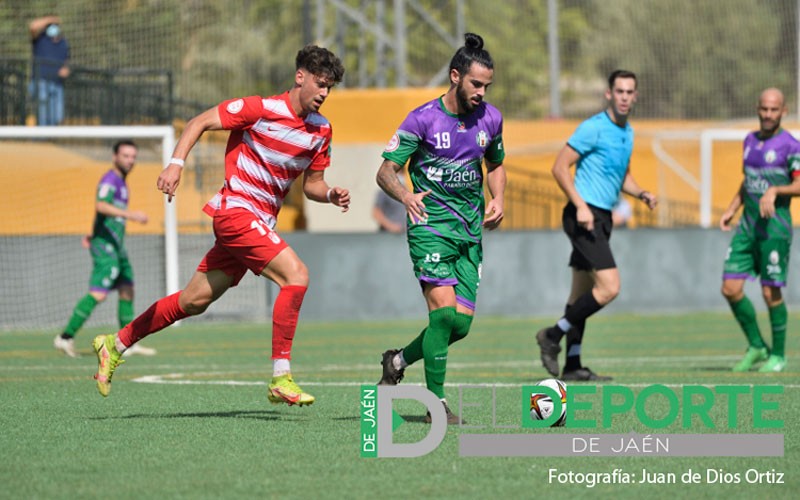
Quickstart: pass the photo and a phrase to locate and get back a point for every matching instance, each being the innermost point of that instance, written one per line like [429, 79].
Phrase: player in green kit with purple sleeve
[111, 266]
[762, 242]
[445, 142]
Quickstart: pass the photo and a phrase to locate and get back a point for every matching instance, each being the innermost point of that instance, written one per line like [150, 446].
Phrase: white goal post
[165, 133]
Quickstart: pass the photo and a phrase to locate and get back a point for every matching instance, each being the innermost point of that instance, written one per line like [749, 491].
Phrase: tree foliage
[695, 58]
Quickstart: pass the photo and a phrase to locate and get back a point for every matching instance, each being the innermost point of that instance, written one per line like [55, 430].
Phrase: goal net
[50, 177]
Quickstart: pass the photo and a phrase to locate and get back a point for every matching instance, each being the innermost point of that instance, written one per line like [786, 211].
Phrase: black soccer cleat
[584, 374]
[391, 375]
[548, 350]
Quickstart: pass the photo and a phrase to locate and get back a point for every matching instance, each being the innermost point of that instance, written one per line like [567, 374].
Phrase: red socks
[284, 319]
[167, 311]
[160, 315]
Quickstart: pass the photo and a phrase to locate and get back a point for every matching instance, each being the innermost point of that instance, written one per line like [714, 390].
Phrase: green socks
[445, 326]
[434, 348]
[413, 351]
[83, 309]
[778, 319]
[124, 312]
[745, 314]
[460, 327]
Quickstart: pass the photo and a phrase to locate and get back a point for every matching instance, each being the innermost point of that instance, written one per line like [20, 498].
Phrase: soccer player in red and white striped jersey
[272, 141]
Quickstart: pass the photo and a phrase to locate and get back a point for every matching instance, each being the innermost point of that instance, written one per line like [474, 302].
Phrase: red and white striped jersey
[268, 148]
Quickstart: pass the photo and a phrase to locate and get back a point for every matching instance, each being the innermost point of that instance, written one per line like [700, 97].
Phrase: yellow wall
[48, 189]
[372, 115]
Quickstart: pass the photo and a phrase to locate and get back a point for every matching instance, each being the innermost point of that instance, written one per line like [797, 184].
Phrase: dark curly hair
[321, 62]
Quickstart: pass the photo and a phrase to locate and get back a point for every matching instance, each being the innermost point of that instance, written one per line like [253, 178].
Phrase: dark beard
[463, 101]
[773, 128]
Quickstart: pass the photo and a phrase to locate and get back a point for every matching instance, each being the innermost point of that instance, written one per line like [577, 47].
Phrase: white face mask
[53, 30]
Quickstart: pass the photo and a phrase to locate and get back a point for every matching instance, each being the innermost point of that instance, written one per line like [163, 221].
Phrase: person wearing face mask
[50, 69]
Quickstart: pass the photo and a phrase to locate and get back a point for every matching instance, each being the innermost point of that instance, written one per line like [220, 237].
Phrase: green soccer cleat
[108, 359]
[283, 390]
[752, 356]
[774, 364]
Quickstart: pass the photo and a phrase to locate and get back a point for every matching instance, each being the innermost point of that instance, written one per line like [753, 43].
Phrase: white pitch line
[683, 361]
[177, 379]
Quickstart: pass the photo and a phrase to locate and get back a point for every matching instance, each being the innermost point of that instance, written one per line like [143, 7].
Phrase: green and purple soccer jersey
[111, 266]
[445, 155]
[112, 190]
[761, 245]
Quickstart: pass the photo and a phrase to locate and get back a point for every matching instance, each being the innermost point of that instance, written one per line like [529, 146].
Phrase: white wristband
[328, 195]
[176, 161]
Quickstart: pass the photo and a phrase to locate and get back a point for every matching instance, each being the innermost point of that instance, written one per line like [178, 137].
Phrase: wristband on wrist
[176, 161]
[328, 195]
[641, 195]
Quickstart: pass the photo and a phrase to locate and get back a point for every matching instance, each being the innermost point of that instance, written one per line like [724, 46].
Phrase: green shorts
[111, 267]
[445, 262]
[748, 258]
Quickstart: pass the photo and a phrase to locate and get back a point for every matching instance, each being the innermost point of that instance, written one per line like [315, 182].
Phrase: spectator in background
[50, 56]
[621, 212]
[389, 213]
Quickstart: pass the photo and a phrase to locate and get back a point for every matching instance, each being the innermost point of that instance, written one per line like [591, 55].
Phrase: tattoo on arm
[388, 181]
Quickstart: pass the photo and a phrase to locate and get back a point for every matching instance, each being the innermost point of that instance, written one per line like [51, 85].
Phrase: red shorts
[243, 242]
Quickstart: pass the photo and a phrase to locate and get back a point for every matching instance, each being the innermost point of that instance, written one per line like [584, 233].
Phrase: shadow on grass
[408, 418]
[419, 419]
[265, 415]
[710, 369]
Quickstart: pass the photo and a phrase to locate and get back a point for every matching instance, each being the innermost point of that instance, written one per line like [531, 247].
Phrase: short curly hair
[320, 61]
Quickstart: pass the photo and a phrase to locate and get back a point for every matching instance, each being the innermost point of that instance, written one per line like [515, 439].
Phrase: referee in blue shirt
[601, 147]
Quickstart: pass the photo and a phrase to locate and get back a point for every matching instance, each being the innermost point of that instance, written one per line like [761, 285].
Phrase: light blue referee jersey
[605, 149]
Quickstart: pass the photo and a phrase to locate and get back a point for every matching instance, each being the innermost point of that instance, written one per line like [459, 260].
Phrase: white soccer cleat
[139, 350]
[67, 346]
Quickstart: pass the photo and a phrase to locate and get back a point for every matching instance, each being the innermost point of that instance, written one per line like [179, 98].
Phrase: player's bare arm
[316, 189]
[170, 177]
[566, 158]
[733, 207]
[110, 210]
[496, 181]
[766, 204]
[631, 187]
[38, 25]
[388, 181]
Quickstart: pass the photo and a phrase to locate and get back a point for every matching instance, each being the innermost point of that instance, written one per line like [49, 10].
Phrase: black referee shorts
[590, 249]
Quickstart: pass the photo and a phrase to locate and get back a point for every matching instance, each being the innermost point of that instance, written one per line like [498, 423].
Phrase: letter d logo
[438, 429]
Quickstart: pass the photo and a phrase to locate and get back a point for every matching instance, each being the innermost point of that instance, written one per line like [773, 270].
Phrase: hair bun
[473, 41]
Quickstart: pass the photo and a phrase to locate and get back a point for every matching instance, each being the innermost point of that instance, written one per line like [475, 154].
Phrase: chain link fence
[695, 58]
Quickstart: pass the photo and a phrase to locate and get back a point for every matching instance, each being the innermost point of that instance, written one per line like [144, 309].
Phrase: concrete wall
[353, 167]
[368, 276]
